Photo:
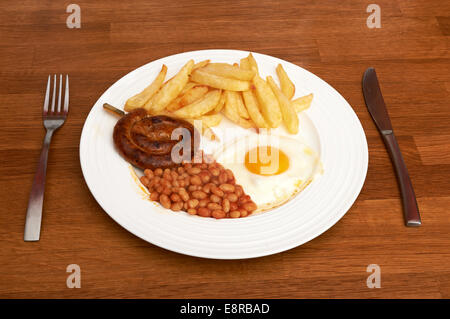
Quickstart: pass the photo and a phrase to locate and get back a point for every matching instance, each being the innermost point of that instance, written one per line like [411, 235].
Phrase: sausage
[145, 141]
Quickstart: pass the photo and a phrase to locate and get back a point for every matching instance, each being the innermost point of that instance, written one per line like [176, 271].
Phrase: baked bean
[244, 199]
[215, 181]
[175, 197]
[203, 166]
[185, 206]
[218, 214]
[192, 203]
[192, 188]
[176, 184]
[149, 173]
[230, 175]
[214, 206]
[204, 176]
[243, 212]
[223, 177]
[204, 212]
[154, 196]
[199, 194]
[228, 188]
[167, 190]
[164, 182]
[203, 202]
[183, 194]
[233, 206]
[249, 206]
[226, 205]
[158, 172]
[192, 211]
[165, 201]
[214, 198]
[232, 197]
[216, 191]
[180, 170]
[187, 165]
[215, 172]
[159, 188]
[194, 170]
[196, 180]
[235, 214]
[144, 180]
[207, 187]
[239, 191]
[176, 206]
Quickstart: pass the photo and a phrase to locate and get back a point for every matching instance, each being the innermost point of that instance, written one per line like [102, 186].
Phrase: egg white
[271, 191]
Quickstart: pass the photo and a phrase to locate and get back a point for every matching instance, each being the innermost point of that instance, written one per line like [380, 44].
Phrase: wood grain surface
[329, 38]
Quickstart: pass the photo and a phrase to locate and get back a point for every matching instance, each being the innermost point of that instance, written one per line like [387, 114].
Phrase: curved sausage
[145, 141]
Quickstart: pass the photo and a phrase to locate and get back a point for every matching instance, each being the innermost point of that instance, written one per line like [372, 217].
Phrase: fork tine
[54, 93]
[59, 95]
[66, 95]
[47, 96]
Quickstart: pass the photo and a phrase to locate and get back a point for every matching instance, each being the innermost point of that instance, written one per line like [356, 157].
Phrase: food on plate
[190, 96]
[288, 113]
[287, 87]
[271, 169]
[229, 71]
[200, 107]
[205, 189]
[200, 64]
[239, 103]
[302, 103]
[141, 98]
[231, 111]
[252, 63]
[170, 90]
[145, 141]
[270, 107]
[219, 82]
[253, 109]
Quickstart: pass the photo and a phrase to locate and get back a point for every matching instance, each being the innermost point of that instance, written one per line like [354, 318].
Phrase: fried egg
[271, 169]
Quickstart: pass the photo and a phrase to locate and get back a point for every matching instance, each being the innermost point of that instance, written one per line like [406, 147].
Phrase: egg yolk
[266, 161]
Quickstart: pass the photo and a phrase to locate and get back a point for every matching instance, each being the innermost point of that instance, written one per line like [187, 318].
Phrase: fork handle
[410, 209]
[36, 200]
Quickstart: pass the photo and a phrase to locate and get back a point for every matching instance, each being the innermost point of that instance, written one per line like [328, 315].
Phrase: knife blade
[377, 109]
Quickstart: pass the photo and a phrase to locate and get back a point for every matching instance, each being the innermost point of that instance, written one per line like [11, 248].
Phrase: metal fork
[53, 119]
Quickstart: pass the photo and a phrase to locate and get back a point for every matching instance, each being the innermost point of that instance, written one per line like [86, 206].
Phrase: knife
[377, 109]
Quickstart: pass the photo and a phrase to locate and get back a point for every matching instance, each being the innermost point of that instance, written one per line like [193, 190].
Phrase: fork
[53, 119]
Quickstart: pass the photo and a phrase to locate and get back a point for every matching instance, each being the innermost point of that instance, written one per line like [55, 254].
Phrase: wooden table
[410, 53]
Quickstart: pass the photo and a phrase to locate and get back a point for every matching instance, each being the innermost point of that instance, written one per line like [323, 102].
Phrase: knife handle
[410, 209]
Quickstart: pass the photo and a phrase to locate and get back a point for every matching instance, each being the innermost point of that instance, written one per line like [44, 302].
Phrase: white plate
[330, 127]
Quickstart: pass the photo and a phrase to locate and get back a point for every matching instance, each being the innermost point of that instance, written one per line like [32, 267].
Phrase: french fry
[187, 98]
[253, 109]
[229, 71]
[211, 120]
[302, 103]
[290, 117]
[270, 107]
[170, 90]
[253, 64]
[200, 107]
[187, 87]
[245, 65]
[206, 131]
[200, 64]
[221, 103]
[141, 98]
[236, 98]
[231, 112]
[287, 87]
[202, 77]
